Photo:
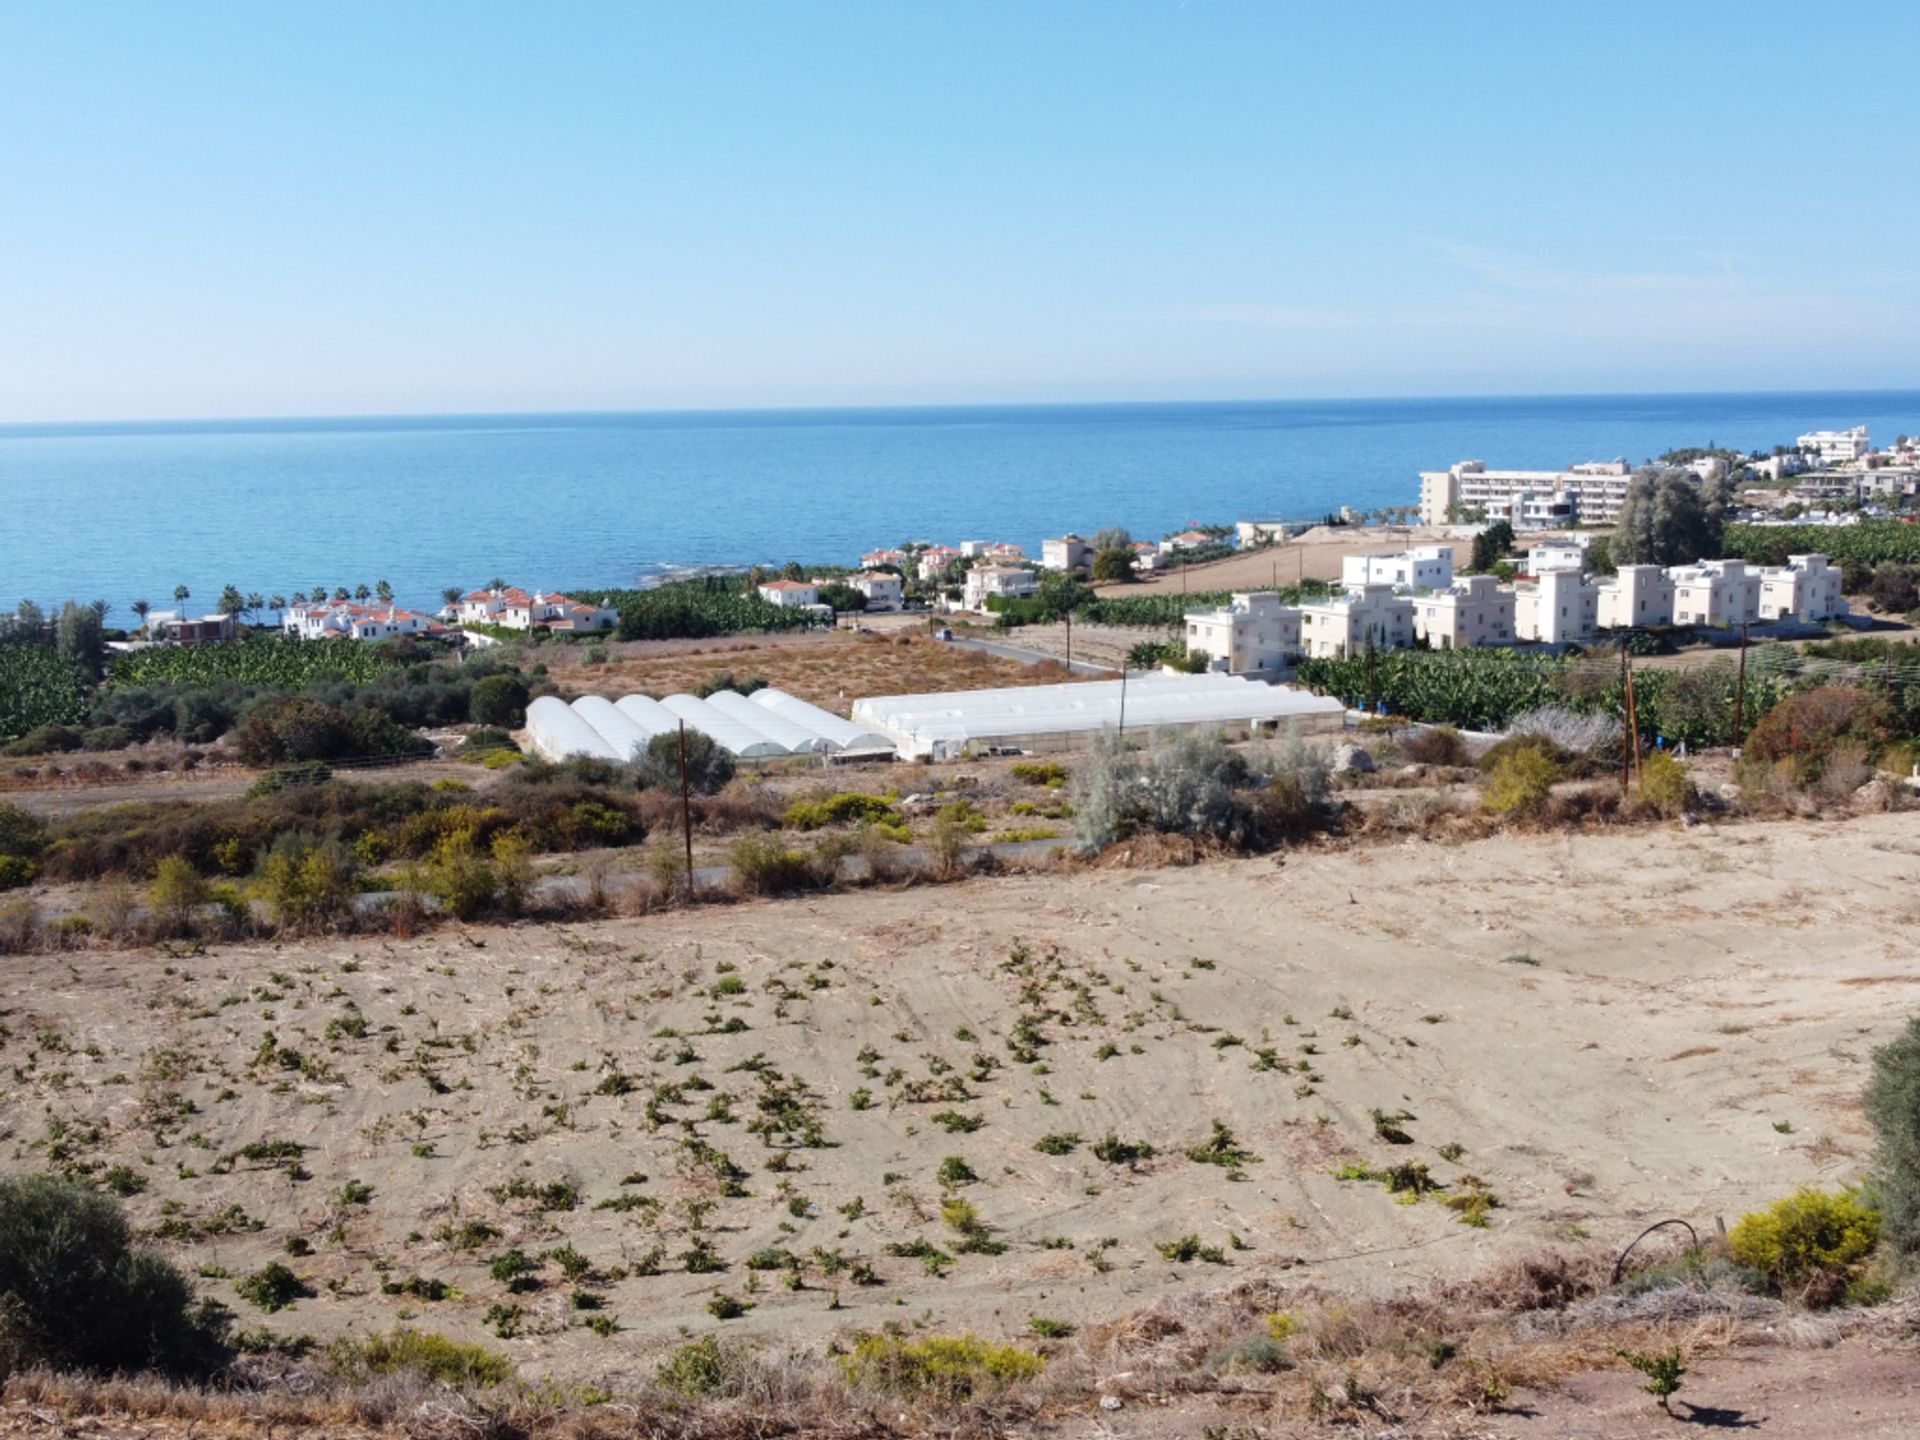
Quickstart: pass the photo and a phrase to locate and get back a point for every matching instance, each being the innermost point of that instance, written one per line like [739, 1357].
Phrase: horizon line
[905, 407]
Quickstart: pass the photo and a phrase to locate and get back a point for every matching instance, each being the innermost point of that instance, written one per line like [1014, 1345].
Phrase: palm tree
[452, 596]
[181, 595]
[384, 591]
[278, 604]
[232, 602]
[319, 594]
[299, 597]
[256, 602]
[340, 592]
[360, 593]
[142, 608]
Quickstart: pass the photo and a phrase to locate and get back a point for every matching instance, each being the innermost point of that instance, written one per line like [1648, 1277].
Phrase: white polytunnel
[770, 723]
[1049, 716]
[557, 731]
[729, 732]
[843, 734]
[649, 714]
[626, 738]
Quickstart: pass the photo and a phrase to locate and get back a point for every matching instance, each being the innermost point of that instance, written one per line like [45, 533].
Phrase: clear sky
[283, 208]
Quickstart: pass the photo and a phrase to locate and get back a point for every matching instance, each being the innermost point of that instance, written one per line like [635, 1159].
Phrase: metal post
[1626, 751]
[686, 808]
[1069, 642]
[1633, 724]
[1740, 691]
[1123, 699]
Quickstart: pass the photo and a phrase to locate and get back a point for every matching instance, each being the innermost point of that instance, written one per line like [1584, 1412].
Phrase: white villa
[1252, 634]
[790, 594]
[1835, 447]
[1429, 567]
[1372, 614]
[1805, 588]
[884, 589]
[1527, 499]
[1715, 592]
[1475, 610]
[344, 619]
[1556, 607]
[516, 609]
[1009, 582]
[1637, 595]
[1068, 553]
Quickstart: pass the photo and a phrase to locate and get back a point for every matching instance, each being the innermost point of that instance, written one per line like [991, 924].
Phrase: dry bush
[1436, 745]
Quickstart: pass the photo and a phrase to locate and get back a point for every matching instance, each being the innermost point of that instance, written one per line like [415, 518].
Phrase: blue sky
[247, 209]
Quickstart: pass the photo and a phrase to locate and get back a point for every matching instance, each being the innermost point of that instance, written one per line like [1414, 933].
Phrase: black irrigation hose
[1620, 1263]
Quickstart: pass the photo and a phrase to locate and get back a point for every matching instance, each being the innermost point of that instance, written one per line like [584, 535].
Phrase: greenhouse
[627, 738]
[557, 731]
[839, 733]
[1058, 717]
[729, 732]
[770, 723]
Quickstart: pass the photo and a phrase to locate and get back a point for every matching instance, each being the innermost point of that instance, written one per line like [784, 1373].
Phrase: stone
[1351, 758]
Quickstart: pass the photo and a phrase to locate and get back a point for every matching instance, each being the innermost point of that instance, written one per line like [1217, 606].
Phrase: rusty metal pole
[1740, 691]
[1626, 749]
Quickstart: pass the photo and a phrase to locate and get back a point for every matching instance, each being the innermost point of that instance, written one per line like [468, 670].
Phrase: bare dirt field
[1316, 555]
[831, 669]
[779, 1103]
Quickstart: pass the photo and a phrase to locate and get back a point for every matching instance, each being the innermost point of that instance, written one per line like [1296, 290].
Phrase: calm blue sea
[125, 511]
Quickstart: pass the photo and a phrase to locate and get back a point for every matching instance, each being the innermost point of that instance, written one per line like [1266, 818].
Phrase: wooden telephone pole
[686, 809]
[1740, 691]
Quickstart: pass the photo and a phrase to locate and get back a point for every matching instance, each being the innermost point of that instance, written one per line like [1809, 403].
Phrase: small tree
[1892, 1101]
[499, 699]
[1115, 564]
[178, 890]
[709, 767]
[1663, 1371]
[1520, 781]
[1490, 546]
[842, 597]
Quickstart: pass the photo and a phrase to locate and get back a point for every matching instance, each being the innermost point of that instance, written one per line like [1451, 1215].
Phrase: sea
[131, 510]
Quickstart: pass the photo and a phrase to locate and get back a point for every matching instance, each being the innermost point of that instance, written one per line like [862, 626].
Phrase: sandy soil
[1615, 1029]
[1316, 555]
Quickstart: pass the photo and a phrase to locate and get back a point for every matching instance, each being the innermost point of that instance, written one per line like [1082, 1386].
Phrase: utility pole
[1740, 692]
[1123, 699]
[686, 809]
[1626, 751]
[1633, 724]
[1069, 642]
[1373, 689]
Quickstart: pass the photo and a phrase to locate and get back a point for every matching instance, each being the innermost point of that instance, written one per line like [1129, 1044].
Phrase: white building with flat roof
[1715, 592]
[1836, 447]
[1427, 567]
[1556, 607]
[1636, 596]
[1805, 588]
[1590, 493]
[1254, 634]
[1008, 582]
[1475, 610]
[1068, 553]
[1559, 555]
[1371, 615]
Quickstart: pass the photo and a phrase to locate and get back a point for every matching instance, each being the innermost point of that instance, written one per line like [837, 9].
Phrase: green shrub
[709, 767]
[1440, 745]
[404, 1351]
[1520, 781]
[1664, 784]
[1663, 1370]
[839, 809]
[703, 1367]
[273, 1287]
[15, 871]
[763, 865]
[1809, 1246]
[939, 1366]
[1050, 773]
[75, 1295]
[1892, 1101]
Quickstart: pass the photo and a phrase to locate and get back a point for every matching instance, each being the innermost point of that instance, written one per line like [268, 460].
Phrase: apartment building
[1476, 610]
[1559, 555]
[1590, 493]
[1715, 592]
[1636, 596]
[1805, 588]
[1371, 615]
[1558, 607]
[1428, 567]
[1254, 634]
[1836, 447]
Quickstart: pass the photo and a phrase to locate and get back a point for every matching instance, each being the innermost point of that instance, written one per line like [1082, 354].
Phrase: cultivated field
[875, 1107]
